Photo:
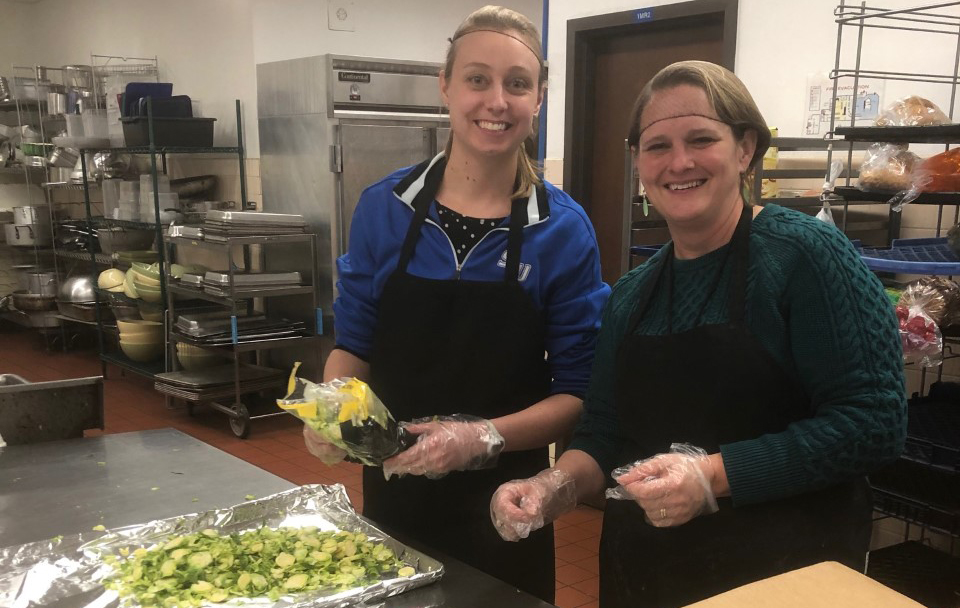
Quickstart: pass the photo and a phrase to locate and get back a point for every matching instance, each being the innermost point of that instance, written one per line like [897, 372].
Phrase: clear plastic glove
[328, 453]
[521, 506]
[671, 488]
[444, 444]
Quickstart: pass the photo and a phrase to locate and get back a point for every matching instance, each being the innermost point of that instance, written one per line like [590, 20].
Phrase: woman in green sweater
[746, 377]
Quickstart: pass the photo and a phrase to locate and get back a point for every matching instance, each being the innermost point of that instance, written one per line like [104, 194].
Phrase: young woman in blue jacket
[471, 290]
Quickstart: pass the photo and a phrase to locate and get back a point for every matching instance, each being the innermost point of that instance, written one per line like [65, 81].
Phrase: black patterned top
[464, 232]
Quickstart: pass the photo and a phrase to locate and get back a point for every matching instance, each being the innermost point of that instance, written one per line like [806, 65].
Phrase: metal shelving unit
[928, 19]
[911, 490]
[35, 113]
[158, 164]
[246, 299]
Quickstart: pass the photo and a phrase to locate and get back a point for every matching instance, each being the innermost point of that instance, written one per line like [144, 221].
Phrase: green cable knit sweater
[821, 313]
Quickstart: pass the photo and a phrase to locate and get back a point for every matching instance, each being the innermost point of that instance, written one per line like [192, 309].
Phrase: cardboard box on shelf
[825, 585]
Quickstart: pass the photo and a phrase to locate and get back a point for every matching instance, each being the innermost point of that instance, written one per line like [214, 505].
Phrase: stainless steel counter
[67, 487]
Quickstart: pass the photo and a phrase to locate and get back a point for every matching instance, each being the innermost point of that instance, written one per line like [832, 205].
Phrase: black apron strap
[646, 293]
[515, 240]
[740, 253]
[421, 206]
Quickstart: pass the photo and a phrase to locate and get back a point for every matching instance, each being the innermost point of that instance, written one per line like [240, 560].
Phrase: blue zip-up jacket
[560, 269]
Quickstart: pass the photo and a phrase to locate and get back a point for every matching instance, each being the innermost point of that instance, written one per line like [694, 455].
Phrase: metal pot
[31, 214]
[31, 301]
[78, 290]
[27, 236]
[64, 158]
[42, 283]
[22, 270]
[56, 103]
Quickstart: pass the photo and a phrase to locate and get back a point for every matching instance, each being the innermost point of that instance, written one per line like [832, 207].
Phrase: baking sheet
[68, 572]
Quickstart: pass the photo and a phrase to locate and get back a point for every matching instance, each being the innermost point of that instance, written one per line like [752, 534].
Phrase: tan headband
[640, 133]
[462, 34]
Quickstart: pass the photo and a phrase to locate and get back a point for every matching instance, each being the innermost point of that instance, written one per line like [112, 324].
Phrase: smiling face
[688, 160]
[492, 93]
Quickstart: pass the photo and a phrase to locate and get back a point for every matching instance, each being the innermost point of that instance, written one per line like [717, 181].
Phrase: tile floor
[275, 444]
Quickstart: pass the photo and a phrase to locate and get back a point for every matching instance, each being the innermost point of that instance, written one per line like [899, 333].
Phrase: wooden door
[611, 66]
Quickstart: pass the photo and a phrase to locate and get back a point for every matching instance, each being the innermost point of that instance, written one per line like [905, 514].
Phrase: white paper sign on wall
[340, 15]
[866, 104]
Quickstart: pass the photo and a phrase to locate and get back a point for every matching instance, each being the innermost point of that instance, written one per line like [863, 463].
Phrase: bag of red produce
[920, 336]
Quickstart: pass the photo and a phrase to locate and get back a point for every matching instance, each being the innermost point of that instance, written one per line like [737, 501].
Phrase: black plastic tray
[851, 193]
[169, 132]
[919, 572]
[940, 134]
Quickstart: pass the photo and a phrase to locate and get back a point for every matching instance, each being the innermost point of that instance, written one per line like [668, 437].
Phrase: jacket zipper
[458, 263]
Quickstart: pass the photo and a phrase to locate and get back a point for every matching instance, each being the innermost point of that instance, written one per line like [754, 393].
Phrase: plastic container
[130, 190]
[128, 209]
[169, 132]
[168, 202]
[111, 197]
[74, 125]
[95, 122]
[146, 183]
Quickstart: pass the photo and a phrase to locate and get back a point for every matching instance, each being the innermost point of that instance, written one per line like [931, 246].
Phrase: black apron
[712, 385]
[450, 346]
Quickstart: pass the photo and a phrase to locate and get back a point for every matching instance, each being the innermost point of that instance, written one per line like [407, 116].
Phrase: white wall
[779, 43]
[204, 47]
[409, 29]
[209, 48]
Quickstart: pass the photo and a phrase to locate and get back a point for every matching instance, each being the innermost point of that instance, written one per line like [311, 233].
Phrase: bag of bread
[887, 167]
[912, 111]
[944, 171]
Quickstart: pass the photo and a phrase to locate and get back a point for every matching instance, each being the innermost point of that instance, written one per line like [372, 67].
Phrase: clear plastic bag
[891, 167]
[921, 338]
[347, 413]
[939, 297]
[944, 171]
[825, 214]
[887, 167]
[912, 111]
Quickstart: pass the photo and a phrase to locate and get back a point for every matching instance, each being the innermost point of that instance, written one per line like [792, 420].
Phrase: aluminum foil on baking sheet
[68, 572]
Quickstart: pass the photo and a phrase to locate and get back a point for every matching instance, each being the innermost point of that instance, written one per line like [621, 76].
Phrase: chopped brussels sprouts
[208, 567]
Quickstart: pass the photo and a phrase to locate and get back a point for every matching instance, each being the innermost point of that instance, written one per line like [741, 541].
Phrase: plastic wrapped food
[953, 239]
[348, 414]
[938, 296]
[920, 337]
[887, 167]
[943, 171]
[912, 111]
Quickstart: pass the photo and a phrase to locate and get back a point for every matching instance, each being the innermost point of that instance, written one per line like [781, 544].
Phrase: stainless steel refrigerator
[330, 126]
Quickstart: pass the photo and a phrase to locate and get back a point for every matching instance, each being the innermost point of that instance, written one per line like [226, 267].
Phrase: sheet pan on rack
[69, 571]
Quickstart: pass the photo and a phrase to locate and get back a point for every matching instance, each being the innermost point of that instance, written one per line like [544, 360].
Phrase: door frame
[582, 36]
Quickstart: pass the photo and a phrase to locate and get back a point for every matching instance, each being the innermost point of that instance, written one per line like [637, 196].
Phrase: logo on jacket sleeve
[524, 268]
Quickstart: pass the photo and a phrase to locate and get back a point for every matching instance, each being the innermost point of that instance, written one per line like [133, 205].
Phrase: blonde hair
[509, 22]
[727, 95]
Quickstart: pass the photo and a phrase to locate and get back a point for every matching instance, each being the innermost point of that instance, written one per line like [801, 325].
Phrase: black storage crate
[919, 494]
[919, 572]
[933, 429]
[168, 132]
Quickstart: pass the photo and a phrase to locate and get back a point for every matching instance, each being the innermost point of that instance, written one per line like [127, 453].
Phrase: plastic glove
[328, 453]
[671, 488]
[447, 443]
[521, 506]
